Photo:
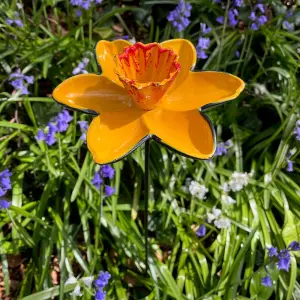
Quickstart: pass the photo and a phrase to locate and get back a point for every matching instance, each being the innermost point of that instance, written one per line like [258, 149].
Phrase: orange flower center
[147, 72]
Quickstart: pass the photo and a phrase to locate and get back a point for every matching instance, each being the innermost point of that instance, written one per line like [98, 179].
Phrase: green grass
[56, 224]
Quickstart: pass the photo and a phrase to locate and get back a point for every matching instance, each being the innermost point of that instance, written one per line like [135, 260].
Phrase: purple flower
[290, 165]
[9, 21]
[78, 13]
[294, 246]
[109, 191]
[286, 25]
[284, 260]
[81, 67]
[266, 281]
[221, 149]
[179, 17]
[63, 120]
[201, 54]
[204, 29]
[252, 16]
[4, 204]
[19, 23]
[102, 280]
[107, 171]
[260, 7]
[272, 251]
[52, 128]
[220, 19]
[261, 20]
[50, 139]
[203, 43]
[201, 232]
[100, 295]
[40, 135]
[238, 3]
[97, 180]
[83, 128]
[297, 130]
[5, 183]
[232, 20]
[21, 82]
[254, 27]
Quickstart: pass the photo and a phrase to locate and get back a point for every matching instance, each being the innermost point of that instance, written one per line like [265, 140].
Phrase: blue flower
[220, 19]
[20, 81]
[205, 29]
[63, 120]
[109, 191]
[100, 295]
[203, 44]
[50, 139]
[40, 135]
[102, 279]
[201, 232]
[107, 171]
[272, 252]
[284, 260]
[97, 180]
[232, 20]
[4, 204]
[238, 3]
[294, 246]
[290, 165]
[287, 26]
[266, 281]
[297, 130]
[81, 67]
[5, 183]
[83, 128]
[179, 17]
[221, 149]
[237, 53]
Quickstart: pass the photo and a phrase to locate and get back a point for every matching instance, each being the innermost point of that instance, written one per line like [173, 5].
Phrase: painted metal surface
[148, 91]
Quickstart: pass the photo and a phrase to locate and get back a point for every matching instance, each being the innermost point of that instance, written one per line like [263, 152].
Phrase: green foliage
[60, 225]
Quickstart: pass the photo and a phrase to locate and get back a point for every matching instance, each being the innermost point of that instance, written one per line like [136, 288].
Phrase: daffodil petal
[112, 136]
[92, 94]
[187, 57]
[202, 88]
[188, 132]
[105, 54]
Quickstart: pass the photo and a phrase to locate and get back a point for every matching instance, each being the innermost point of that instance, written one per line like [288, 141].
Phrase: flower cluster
[16, 20]
[81, 67]
[100, 284]
[60, 124]
[258, 17]
[222, 148]
[233, 13]
[20, 81]
[203, 42]
[84, 4]
[198, 190]
[106, 171]
[286, 24]
[87, 281]
[237, 182]
[201, 231]
[283, 258]
[5, 185]
[219, 221]
[83, 125]
[179, 17]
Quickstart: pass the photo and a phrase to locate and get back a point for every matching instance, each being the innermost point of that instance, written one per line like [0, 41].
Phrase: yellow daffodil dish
[148, 91]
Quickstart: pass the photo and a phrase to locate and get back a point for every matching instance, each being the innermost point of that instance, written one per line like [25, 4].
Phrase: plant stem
[147, 183]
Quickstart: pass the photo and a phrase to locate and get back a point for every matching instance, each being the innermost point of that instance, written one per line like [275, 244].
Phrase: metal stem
[147, 185]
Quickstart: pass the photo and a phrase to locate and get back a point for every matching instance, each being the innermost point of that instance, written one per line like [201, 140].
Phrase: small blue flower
[102, 280]
[287, 26]
[272, 252]
[5, 183]
[179, 17]
[252, 16]
[97, 180]
[238, 3]
[40, 135]
[203, 44]
[109, 191]
[100, 295]
[220, 19]
[50, 139]
[260, 7]
[290, 166]
[266, 281]
[232, 20]
[83, 128]
[294, 246]
[201, 232]
[205, 29]
[284, 260]
[237, 53]
[20, 81]
[107, 171]
[81, 67]
[4, 204]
